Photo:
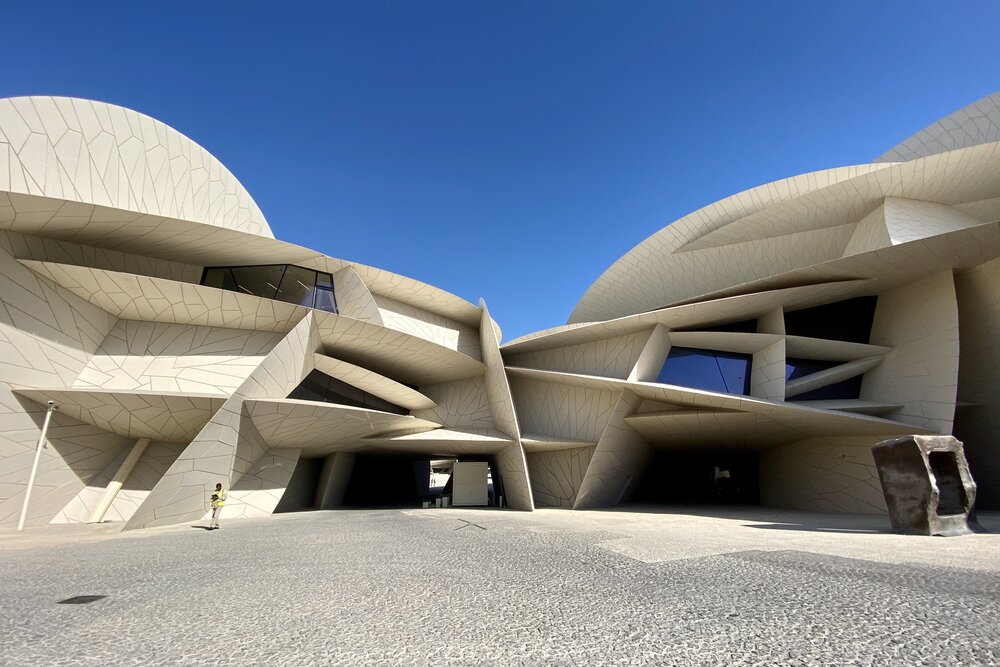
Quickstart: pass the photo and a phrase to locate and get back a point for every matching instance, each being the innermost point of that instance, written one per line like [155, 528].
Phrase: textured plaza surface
[740, 587]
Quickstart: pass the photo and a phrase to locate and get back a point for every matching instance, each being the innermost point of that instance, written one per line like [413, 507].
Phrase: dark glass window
[832, 392]
[297, 286]
[318, 386]
[849, 320]
[726, 372]
[258, 280]
[220, 278]
[282, 282]
[325, 300]
[324, 280]
[845, 389]
[796, 368]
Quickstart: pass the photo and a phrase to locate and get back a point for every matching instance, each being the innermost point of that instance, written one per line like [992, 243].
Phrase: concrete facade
[144, 293]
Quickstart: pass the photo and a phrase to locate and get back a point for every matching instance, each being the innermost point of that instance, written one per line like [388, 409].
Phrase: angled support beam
[116, 483]
[618, 460]
[830, 376]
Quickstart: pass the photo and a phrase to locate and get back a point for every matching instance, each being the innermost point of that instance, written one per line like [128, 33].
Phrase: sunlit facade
[751, 352]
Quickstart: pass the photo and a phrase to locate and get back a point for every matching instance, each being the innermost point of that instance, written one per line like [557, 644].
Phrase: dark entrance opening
[945, 468]
[388, 480]
[394, 480]
[704, 477]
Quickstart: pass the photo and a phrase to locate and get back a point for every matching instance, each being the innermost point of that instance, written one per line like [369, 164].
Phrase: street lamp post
[34, 466]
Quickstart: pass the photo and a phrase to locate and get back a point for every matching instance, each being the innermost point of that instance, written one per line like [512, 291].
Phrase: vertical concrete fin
[511, 462]
[920, 322]
[354, 299]
[653, 354]
[767, 372]
[772, 322]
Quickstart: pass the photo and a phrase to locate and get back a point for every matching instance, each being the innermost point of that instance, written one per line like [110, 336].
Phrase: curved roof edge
[703, 222]
[772, 211]
[977, 123]
[102, 154]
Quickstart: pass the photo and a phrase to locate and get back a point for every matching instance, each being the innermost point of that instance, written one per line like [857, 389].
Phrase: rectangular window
[297, 286]
[281, 282]
[711, 370]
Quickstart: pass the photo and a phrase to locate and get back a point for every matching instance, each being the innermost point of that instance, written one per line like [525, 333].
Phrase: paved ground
[494, 587]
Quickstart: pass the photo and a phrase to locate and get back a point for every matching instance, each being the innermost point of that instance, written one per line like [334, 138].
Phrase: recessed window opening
[849, 389]
[318, 386]
[280, 282]
[711, 370]
[849, 320]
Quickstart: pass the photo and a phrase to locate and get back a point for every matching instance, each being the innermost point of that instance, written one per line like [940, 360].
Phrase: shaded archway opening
[700, 477]
[388, 480]
[395, 480]
[392, 480]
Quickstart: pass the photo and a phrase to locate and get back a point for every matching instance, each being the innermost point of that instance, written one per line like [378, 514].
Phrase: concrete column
[116, 483]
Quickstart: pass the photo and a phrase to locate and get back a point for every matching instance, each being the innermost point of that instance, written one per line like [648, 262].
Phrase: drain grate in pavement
[82, 599]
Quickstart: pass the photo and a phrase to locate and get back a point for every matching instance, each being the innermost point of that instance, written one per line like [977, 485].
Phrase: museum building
[751, 352]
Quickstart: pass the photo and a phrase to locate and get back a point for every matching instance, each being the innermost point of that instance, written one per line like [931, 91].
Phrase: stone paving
[460, 587]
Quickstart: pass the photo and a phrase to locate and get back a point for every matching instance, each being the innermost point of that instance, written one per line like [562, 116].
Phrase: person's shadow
[203, 527]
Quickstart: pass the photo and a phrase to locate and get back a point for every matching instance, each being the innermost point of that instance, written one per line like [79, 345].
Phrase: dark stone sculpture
[927, 485]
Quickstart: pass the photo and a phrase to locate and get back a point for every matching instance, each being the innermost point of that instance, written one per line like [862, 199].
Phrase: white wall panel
[920, 322]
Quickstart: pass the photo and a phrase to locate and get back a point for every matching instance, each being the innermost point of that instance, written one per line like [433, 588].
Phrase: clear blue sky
[510, 150]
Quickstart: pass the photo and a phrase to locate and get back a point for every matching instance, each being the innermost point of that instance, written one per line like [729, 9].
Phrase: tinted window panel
[325, 300]
[260, 281]
[797, 368]
[297, 286]
[219, 278]
[842, 390]
[724, 372]
[282, 282]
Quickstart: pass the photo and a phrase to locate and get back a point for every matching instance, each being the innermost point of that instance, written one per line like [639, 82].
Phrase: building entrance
[703, 477]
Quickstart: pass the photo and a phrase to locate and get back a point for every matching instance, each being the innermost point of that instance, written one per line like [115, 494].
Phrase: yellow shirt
[220, 498]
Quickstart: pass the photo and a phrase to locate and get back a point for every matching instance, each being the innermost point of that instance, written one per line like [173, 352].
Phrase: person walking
[218, 500]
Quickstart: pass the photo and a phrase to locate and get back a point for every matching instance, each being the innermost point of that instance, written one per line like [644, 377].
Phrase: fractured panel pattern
[612, 357]
[134, 297]
[822, 474]
[429, 326]
[550, 408]
[103, 154]
[156, 356]
[556, 476]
